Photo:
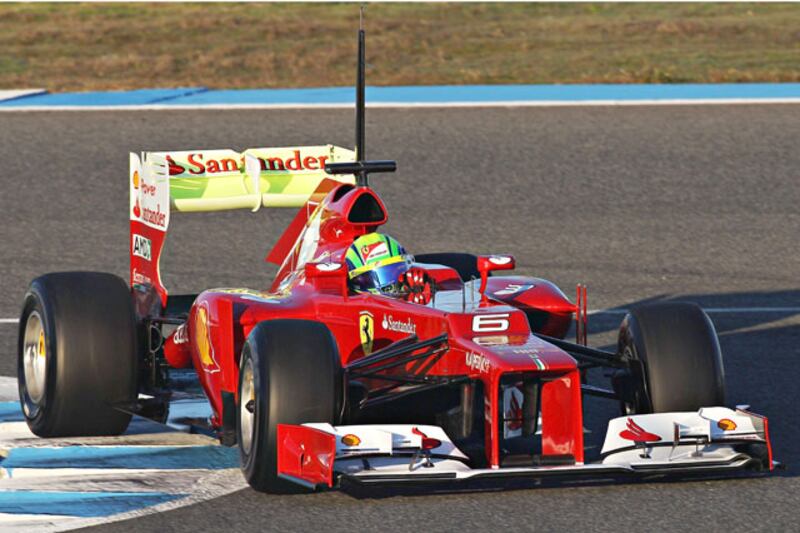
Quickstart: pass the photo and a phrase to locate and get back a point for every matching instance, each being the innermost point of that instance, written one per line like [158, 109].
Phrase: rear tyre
[77, 355]
[290, 373]
[674, 358]
[465, 264]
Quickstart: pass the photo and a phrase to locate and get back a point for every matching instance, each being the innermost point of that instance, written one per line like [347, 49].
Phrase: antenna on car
[361, 167]
[361, 75]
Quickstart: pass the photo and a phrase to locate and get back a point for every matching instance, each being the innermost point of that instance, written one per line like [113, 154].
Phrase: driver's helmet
[375, 263]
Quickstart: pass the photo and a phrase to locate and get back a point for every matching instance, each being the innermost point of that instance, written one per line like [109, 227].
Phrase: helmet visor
[382, 279]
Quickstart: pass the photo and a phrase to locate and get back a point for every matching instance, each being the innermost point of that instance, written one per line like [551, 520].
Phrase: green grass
[125, 46]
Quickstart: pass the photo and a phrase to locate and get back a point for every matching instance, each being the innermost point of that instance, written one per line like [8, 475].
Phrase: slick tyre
[290, 373]
[674, 358]
[77, 355]
[465, 264]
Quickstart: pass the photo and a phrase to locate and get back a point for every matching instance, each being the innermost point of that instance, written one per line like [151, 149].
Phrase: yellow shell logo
[351, 440]
[366, 330]
[202, 336]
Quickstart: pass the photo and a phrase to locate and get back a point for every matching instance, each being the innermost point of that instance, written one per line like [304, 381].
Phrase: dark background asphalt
[695, 202]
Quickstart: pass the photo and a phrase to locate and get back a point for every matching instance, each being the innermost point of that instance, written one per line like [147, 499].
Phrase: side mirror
[490, 263]
[330, 276]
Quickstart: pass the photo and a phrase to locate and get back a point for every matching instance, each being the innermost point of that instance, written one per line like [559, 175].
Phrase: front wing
[711, 440]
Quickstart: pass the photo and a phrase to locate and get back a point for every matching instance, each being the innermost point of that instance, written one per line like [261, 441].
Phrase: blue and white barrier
[6, 94]
[415, 96]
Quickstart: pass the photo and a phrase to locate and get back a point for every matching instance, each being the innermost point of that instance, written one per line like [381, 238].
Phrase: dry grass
[124, 46]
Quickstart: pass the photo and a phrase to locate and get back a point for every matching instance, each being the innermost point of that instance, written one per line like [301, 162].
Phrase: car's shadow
[500, 485]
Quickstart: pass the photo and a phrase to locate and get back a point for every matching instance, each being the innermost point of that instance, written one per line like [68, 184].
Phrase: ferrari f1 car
[463, 372]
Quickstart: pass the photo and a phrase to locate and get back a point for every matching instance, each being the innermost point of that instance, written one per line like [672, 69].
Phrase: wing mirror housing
[491, 263]
[327, 277]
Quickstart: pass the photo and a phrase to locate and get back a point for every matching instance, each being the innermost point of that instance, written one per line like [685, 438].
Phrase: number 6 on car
[490, 323]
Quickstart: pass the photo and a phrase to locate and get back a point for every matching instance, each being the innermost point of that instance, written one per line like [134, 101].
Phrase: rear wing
[216, 180]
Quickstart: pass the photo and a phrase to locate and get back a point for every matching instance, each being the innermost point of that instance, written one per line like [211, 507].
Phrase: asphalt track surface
[685, 202]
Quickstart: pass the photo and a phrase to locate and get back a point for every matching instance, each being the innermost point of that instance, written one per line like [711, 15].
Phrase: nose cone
[505, 354]
[516, 353]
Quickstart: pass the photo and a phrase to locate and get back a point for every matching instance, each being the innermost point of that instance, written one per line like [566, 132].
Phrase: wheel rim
[34, 363]
[247, 397]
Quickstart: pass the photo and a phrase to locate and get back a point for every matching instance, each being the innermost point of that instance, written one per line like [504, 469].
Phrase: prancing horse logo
[366, 330]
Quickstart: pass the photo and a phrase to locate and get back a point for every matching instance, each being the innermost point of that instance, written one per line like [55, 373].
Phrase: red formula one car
[448, 369]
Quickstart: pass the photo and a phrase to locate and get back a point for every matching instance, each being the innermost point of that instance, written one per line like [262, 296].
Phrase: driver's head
[375, 263]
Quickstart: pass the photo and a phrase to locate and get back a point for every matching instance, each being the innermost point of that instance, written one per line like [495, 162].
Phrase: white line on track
[717, 310]
[523, 103]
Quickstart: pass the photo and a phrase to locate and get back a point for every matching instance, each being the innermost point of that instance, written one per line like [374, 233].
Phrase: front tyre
[290, 373]
[673, 357]
[77, 355]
